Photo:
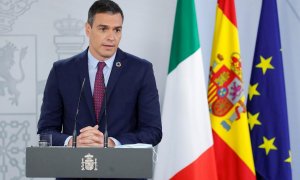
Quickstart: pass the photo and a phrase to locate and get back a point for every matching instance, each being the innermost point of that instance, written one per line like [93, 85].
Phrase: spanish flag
[226, 99]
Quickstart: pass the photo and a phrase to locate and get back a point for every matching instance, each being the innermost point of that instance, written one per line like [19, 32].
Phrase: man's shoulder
[133, 59]
[71, 60]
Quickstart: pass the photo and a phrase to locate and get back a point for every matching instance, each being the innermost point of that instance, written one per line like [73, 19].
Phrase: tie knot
[101, 65]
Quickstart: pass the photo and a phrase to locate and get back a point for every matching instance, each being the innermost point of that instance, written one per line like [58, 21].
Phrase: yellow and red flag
[227, 101]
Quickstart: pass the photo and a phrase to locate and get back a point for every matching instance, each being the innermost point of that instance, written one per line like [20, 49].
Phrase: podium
[69, 162]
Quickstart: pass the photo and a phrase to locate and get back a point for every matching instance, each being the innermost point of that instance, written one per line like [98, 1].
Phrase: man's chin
[107, 56]
[109, 53]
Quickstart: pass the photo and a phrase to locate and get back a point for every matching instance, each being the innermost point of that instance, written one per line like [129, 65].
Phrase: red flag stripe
[234, 168]
[202, 168]
[228, 8]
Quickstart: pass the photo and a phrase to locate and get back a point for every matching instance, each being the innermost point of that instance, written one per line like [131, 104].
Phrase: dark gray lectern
[89, 162]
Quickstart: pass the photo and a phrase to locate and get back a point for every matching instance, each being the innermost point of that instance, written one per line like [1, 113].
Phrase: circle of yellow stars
[268, 144]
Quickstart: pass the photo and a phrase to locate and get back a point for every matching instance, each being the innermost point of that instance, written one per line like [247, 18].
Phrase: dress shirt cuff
[67, 141]
[117, 143]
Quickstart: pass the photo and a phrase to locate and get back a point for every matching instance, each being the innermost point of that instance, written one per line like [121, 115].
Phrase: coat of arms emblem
[89, 163]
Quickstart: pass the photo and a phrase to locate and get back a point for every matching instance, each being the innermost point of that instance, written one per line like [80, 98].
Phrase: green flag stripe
[185, 35]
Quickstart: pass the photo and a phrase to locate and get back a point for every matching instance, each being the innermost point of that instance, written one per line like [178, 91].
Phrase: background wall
[35, 33]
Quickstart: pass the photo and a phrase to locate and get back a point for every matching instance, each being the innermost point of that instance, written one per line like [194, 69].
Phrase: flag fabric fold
[186, 150]
[267, 107]
[226, 99]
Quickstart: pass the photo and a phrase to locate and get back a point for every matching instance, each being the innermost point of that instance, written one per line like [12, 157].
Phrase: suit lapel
[87, 92]
[117, 68]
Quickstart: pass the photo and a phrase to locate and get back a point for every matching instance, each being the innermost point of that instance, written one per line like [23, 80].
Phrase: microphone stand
[105, 121]
[74, 137]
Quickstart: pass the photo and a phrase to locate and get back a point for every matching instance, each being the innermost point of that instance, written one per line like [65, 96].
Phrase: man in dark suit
[132, 101]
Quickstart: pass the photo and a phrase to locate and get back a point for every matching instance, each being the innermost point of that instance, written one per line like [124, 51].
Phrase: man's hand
[91, 137]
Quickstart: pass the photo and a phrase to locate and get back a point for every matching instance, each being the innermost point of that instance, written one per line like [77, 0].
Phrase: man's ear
[88, 29]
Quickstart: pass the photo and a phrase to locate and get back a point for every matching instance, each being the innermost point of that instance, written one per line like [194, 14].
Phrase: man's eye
[118, 30]
[102, 29]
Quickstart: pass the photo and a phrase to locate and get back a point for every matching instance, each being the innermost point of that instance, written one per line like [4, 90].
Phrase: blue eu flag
[267, 108]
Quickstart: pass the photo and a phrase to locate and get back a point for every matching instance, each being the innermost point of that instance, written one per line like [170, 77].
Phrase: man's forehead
[108, 19]
[109, 14]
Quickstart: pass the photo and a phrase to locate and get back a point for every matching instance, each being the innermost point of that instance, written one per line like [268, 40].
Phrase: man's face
[104, 35]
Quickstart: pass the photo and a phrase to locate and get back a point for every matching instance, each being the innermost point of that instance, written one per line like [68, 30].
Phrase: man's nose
[111, 36]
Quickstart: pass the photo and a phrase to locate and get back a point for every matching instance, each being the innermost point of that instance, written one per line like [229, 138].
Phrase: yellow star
[289, 159]
[265, 64]
[253, 91]
[268, 145]
[252, 120]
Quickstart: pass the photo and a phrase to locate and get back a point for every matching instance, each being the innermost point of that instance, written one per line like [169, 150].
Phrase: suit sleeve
[52, 111]
[148, 113]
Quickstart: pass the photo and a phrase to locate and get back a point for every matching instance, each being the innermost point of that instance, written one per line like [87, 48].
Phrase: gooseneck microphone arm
[74, 137]
[105, 120]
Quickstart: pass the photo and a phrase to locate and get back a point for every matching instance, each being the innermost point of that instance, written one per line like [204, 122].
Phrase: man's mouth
[108, 46]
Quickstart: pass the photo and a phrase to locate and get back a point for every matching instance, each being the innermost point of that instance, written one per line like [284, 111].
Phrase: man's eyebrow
[106, 26]
[102, 25]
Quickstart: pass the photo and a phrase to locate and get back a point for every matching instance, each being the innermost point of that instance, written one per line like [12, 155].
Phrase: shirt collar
[93, 62]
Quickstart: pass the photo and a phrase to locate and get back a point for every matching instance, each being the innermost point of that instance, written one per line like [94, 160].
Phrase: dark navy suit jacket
[132, 100]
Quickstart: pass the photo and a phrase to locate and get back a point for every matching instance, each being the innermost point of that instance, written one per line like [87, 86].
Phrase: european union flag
[267, 107]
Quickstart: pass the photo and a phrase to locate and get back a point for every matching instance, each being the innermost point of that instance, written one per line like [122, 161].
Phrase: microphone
[74, 137]
[105, 120]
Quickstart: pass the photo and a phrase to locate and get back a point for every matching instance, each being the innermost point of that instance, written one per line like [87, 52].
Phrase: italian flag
[186, 150]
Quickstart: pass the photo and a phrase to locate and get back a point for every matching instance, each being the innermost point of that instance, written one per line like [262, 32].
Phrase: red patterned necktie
[99, 90]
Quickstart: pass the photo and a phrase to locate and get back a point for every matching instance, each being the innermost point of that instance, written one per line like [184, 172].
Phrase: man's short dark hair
[103, 6]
